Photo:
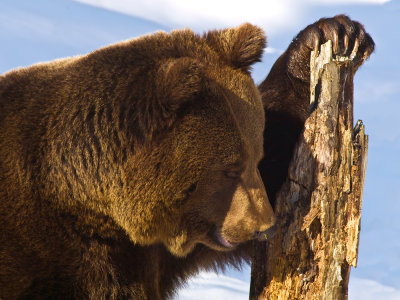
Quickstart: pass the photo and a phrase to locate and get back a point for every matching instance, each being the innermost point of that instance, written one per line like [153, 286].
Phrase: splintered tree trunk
[319, 206]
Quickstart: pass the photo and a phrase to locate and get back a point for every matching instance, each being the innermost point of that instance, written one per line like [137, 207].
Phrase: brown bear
[127, 170]
[110, 161]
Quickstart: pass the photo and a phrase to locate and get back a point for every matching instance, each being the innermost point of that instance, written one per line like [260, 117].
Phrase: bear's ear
[178, 81]
[241, 46]
[175, 82]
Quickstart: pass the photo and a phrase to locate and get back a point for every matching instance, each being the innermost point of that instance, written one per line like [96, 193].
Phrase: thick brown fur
[125, 170]
[122, 170]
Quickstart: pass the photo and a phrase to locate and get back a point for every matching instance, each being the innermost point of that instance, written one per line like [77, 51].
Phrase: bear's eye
[191, 188]
[232, 174]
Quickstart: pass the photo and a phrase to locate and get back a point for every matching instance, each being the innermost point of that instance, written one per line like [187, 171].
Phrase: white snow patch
[365, 289]
[208, 286]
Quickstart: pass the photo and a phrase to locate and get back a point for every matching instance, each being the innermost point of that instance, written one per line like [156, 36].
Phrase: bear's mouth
[218, 238]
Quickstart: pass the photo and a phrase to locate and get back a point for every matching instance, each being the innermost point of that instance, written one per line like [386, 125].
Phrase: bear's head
[193, 177]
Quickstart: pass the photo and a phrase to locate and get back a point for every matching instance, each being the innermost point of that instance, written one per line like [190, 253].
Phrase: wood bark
[319, 205]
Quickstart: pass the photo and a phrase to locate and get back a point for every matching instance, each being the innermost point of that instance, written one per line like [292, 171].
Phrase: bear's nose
[265, 235]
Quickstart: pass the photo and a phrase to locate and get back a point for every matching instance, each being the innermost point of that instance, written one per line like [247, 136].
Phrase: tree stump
[319, 205]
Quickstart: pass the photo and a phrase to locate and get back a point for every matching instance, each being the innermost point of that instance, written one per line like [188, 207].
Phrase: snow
[209, 286]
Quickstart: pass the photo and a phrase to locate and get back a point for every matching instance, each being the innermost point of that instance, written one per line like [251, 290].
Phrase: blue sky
[42, 30]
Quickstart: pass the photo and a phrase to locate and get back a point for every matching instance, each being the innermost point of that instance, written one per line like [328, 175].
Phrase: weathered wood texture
[319, 206]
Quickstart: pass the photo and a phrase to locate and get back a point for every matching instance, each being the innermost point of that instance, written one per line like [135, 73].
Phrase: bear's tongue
[223, 240]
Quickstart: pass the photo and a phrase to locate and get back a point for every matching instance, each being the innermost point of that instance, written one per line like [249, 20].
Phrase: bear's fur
[125, 171]
[285, 91]
[117, 165]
